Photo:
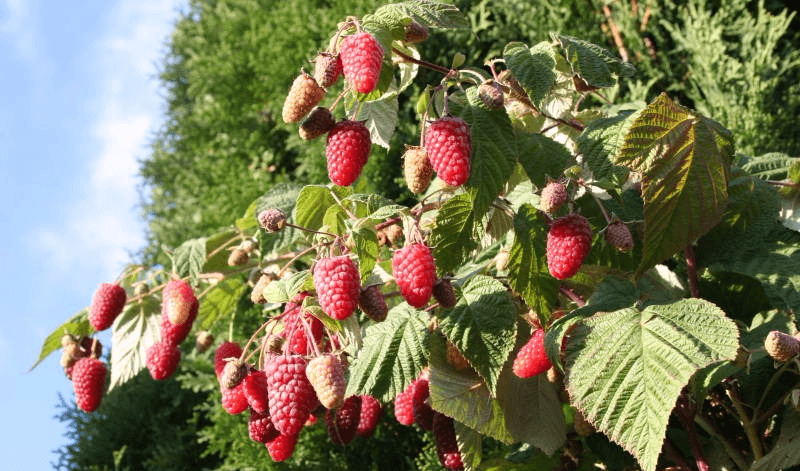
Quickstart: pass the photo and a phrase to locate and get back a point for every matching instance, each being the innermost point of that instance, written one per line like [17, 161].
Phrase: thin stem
[749, 429]
[305, 229]
[567, 291]
[430, 65]
[250, 342]
[691, 268]
[294, 259]
[775, 406]
[769, 385]
[599, 205]
[686, 411]
[733, 453]
[671, 452]
[780, 183]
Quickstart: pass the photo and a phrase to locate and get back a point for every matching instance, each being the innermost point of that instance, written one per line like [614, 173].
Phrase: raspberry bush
[628, 307]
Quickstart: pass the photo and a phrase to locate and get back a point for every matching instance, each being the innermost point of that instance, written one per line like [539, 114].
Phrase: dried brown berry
[781, 346]
[444, 293]
[233, 373]
[257, 295]
[237, 257]
[415, 33]
[272, 220]
[372, 303]
[204, 341]
[491, 94]
[304, 95]
[319, 122]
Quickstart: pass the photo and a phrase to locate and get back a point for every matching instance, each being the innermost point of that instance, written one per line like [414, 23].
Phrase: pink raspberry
[295, 330]
[423, 413]
[554, 195]
[568, 243]
[338, 284]
[415, 273]
[291, 396]
[361, 56]
[281, 447]
[532, 359]
[177, 333]
[449, 148]
[89, 381]
[260, 427]
[233, 400]
[107, 304]
[370, 415]
[162, 359]
[342, 423]
[224, 351]
[347, 150]
[179, 300]
[404, 406]
[255, 390]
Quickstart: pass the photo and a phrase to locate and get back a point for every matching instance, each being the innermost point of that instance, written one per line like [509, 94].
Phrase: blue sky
[79, 102]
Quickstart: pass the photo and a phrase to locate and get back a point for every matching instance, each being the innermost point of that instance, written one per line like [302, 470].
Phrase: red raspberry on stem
[361, 56]
[177, 333]
[415, 273]
[338, 284]
[444, 435]
[370, 415]
[404, 406]
[255, 390]
[224, 351]
[568, 242]
[532, 359]
[342, 423]
[326, 375]
[296, 324]
[449, 147]
[281, 447]
[347, 150]
[291, 396]
[178, 301]
[260, 427]
[107, 303]
[88, 381]
[234, 400]
[162, 359]
[423, 413]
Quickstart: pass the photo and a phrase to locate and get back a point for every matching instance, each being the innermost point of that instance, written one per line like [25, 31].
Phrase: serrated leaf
[770, 166]
[220, 301]
[388, 211]
[786, 452]
[392, 355]
[534, 68]
[483, 326]
[366, 204]
[541, 156]
[594, 64]
[601, 141]
[452, 234]
[427, 13]
[380, 117]
[625, 369]
[469, 444]
[684, 159]
[137, 328]
[312, 203]
[464, 396]
[189, 258]
[283, 290]
[334, 220]
[77, 325]
[366, 245]
[527, 263]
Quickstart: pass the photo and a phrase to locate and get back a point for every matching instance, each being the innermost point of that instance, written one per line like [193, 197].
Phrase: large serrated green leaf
[189, 258]
[221, 300]
[602, 139]
[786, 452]
[493, 150]
[594, 64]
[534, 68]
[452, 234]
[77, 325]
[427, 13]
[392, 355]
[685, 160]
[483, 326]
[527, 263]
[217, 258]
[367, 248]
[469, 444]
[137, 328]
[312, 203]
[625, 369]
[541, 157]
[380, 117]
[770, 166]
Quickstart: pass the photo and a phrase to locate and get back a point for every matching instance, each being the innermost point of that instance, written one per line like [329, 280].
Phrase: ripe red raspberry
[554, 195]
[326, 375]
[89, 381]
[370, 415]
[404, 406]
[291, 396]
[347, 150]
[417, 169]
[178, 301]
[449, 147]
[234, 400]
[361, 56]
[619, 236]
[532, 359]
[327, 69]
[255, 390]
[304, 95]
[107, 304]
[177, 333]
[372, 302]
[444, 435]
[423, 412]
[338, 285]
[568, 243]
[162, 359]
[281, 447]
[296, 324]
[224, 351]
[415, 273]
[342, 423]
[260, 427]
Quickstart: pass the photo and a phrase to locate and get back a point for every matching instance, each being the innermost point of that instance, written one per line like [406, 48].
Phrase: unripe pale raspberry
[370, 415]
[237, 257]
[249, 246]
[415, 33]
[449, 148]
[255, 390]
[260, 427]
[568, 242]
[361, 56]
[491, 94]
[233, 373]
[177, 333]
[347, 150]
[257, 295]
[417, 169]
[204, 341]
[291, 396]
[178, 301]
[532, 359]
[444, 293]
[423, 412]
[88, 381]
[304, 95]
[372, 302]
[337, 282]
[281, 447]
[404, 406]
[272, 220]
[444, 435]
[162, 360]
[390, 235]
[225, 351]
[619, 236]
[318, 123]
[415, 273]
[554, 195]
[107, 304]
[327, 69]
[781, 346]
[342, 423]
[326, 375]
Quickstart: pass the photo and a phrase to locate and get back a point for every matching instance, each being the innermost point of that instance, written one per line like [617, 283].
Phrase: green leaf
[283, 290]
[380, 117]
[392, 356]
[427, 13]
[220, 301]
[786, 452]
[189, 258]
[594, 64]
[452, 234]
[684, 159]
[364, 205]
[601, 141]
[625, 369]
[770, 166]
[541, 156]
[334, 220]
[469, 444]
[137, 328]
[77, 325]
[534, 68]
[483, 326]
[312, 203]
[218, 261]
[388, 211]
[527, 264]
[366, 245]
